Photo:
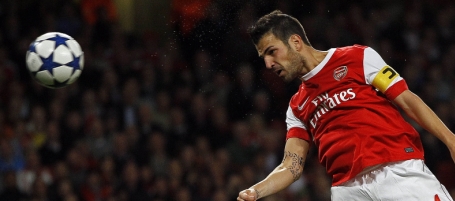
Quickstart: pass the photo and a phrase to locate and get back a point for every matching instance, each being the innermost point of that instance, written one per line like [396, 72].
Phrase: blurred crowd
[192, 115]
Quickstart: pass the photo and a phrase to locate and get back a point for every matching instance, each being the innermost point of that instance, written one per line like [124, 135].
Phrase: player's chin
[287, 78]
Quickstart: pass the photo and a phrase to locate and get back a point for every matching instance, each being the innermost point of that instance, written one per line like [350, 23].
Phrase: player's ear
[295, 42]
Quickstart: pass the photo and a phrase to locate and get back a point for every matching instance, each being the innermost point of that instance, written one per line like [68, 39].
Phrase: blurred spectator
[202, 68]
[130, 97]
[130, 185]
[36, 126]
[261, 105]
[52, 149]
[241, 95]
[233, 44]
[11, 156]
[187, 13]
[220, 87]
[108, 175]
[10, 190]
[158, 158]
[65, 191]
[33, 171]
[145, 122]
[71, 129]
[161, 112]
[183, 194]
[241, 147]
[198, 114]
[147, 177]
[39, 190]
[220, 195]
[100, 15]
[61, 185]
[69, 20]
[179, 127]
[77, 165]
[93, 189]
[218, 132]
[98, 143]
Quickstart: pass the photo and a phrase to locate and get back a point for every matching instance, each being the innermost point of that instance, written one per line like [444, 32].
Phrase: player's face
[280, 58]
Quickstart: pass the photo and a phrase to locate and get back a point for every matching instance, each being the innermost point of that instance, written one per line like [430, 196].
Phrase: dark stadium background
[174, 104]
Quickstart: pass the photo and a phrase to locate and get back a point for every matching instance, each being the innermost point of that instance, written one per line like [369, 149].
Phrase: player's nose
[269, 63]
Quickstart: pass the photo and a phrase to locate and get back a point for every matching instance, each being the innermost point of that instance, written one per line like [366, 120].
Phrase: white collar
[319, 67]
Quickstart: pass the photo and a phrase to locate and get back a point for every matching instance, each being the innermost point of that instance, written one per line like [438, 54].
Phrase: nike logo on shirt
[300, 107]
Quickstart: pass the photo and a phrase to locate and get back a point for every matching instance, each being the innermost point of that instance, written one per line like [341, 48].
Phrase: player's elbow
[298, 174]
[296, 171]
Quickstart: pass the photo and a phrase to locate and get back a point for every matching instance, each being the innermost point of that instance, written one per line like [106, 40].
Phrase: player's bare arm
[283, 175]
[296, 168]
[425, 117]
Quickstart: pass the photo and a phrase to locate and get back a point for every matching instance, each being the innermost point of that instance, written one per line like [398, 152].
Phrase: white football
[55, 60]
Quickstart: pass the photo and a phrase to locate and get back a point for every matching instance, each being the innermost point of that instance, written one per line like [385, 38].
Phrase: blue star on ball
[59, 40]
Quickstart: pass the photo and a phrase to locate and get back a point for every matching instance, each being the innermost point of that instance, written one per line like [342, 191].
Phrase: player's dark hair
[280, 25]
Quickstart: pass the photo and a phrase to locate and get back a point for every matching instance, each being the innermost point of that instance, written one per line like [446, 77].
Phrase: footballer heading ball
[55, 60]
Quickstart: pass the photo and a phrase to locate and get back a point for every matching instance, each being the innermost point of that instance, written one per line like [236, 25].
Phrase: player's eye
[271, 52]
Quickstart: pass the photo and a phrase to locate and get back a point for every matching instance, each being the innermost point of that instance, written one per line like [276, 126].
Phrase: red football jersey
[344, 106]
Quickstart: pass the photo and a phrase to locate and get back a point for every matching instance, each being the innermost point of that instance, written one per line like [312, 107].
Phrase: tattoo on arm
[257, 193]
[296, 166]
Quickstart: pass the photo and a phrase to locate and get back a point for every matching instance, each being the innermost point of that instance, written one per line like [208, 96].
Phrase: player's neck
[314, 58]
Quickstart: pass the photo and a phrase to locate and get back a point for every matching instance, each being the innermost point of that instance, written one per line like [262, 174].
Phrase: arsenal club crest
[340, 72]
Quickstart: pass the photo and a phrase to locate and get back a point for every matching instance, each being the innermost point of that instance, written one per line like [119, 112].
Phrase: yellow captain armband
[384, 77]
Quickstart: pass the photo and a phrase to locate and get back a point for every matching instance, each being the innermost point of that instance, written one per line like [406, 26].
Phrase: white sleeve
[292, 121]
[377, 72]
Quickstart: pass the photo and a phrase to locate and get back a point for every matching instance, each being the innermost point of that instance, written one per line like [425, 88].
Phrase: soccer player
[347, 106]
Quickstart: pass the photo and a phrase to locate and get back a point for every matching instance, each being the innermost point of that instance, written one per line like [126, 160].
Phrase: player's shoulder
[355, 47]
[351, 52]
[300, 93]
